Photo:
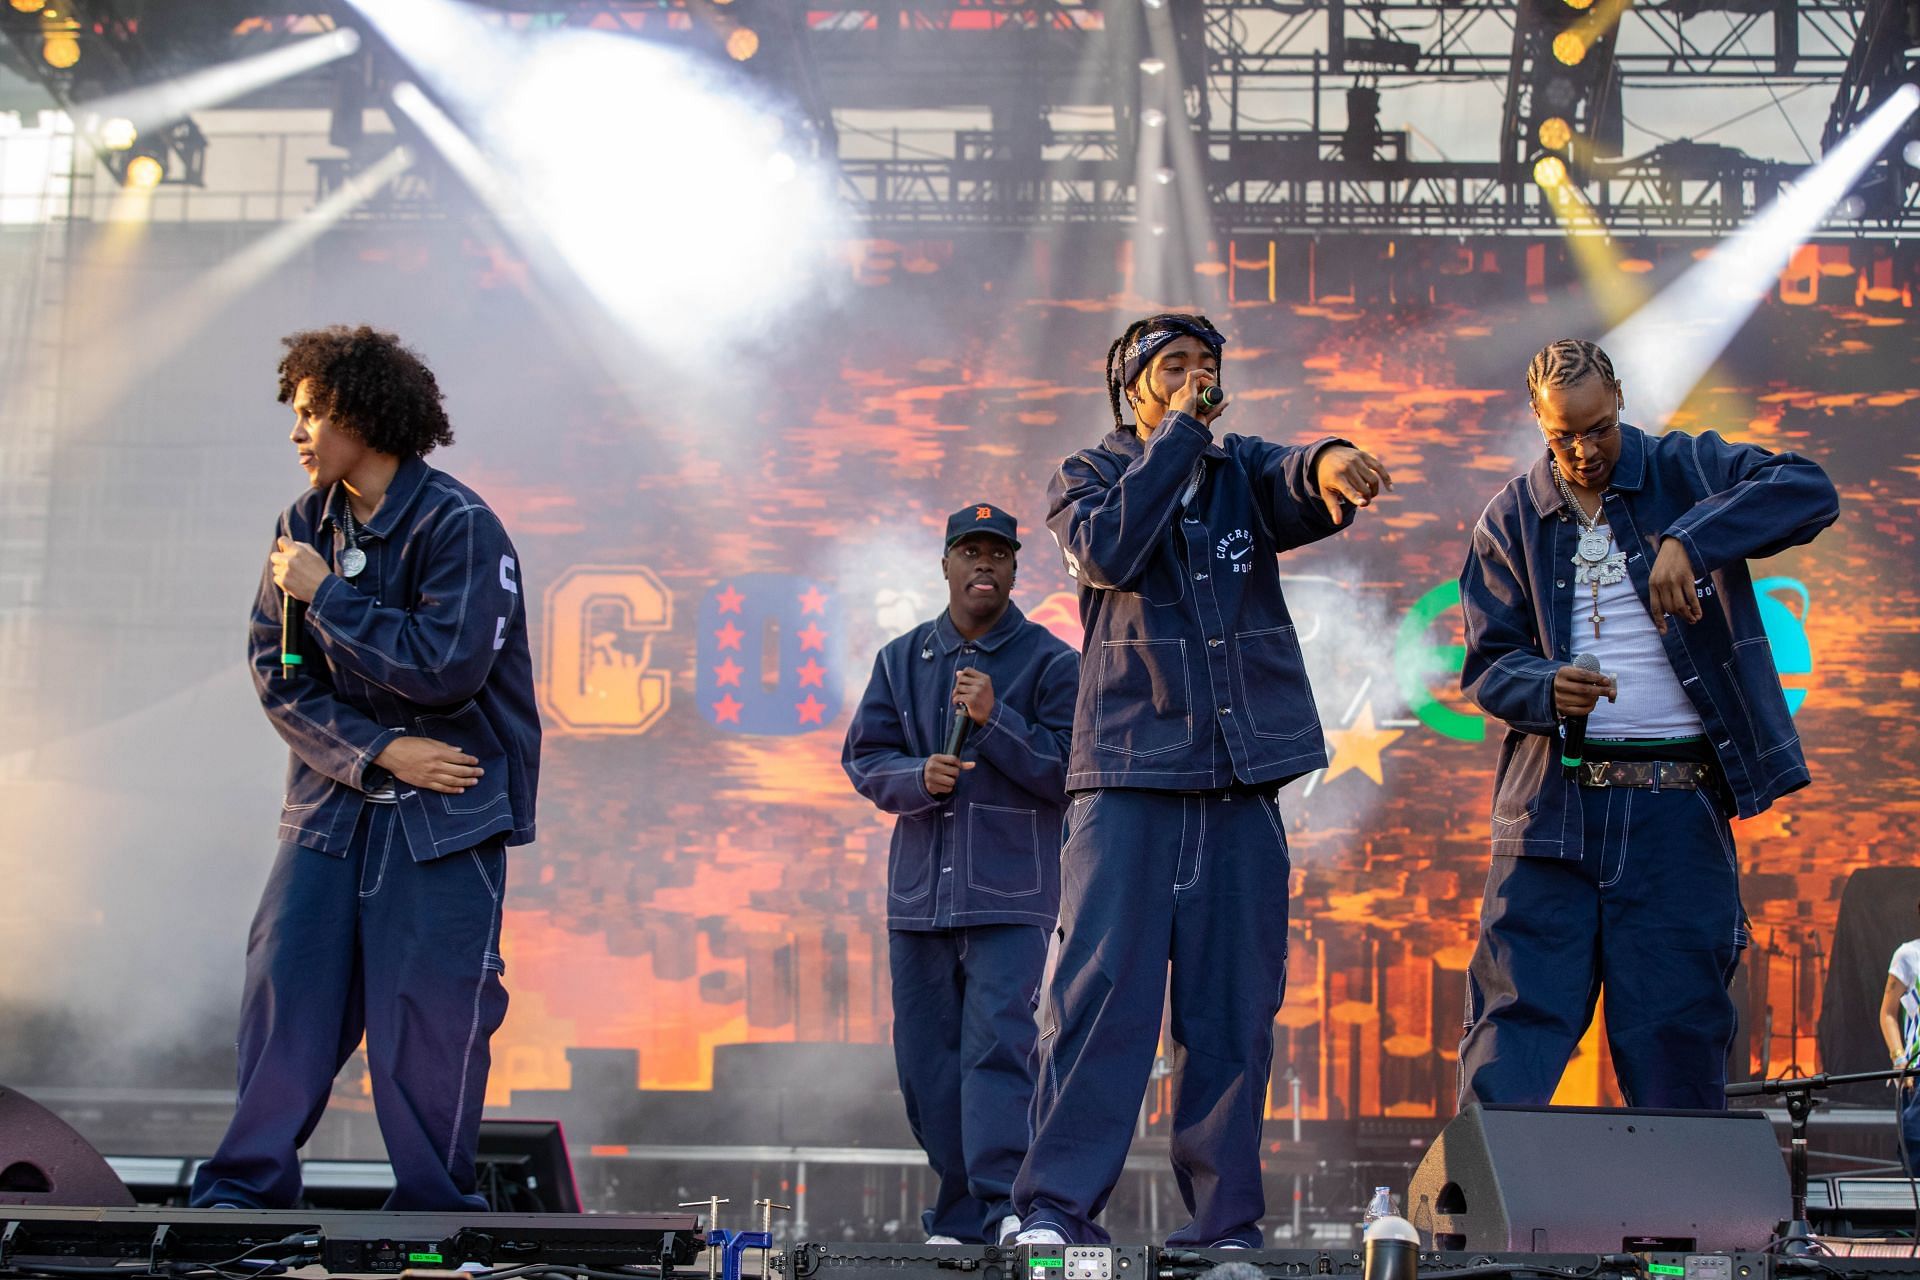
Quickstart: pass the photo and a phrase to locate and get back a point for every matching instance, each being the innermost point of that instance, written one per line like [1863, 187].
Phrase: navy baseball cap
[982, 517]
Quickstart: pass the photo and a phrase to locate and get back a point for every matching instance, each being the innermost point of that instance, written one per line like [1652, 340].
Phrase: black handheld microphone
[1574, 749]
[293, 616]
[957, 735]
[1210, 396]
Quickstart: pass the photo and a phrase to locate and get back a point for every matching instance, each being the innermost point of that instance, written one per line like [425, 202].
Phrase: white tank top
[1652, 704]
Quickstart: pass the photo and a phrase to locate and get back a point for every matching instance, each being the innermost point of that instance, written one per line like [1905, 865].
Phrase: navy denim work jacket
[447, 659]
[988, 852]
[1191, 676]
[1725, 503]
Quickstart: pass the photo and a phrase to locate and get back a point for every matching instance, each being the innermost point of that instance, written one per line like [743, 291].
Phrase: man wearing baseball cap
[963, 733]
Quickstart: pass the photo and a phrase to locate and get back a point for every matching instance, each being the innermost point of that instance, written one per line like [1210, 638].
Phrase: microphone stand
[1794, 1237]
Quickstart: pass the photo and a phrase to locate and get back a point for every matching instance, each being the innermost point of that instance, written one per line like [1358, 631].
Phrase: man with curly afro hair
[407, 699]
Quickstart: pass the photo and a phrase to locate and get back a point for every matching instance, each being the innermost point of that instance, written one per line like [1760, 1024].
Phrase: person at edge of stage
[1900, 1028]
[1194, 709]
[1620, 874]
[415, 751]
[974, 878]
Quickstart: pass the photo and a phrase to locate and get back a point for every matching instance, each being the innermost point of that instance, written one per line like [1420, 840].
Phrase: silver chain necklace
[353, 559]
[1595, 562]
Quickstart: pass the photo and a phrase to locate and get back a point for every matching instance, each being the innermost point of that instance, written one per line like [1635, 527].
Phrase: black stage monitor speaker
[1594, 1180]
[44, 1161]
[523, 1167]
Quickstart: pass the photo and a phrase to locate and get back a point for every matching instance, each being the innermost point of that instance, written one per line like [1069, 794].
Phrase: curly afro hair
[370, 383]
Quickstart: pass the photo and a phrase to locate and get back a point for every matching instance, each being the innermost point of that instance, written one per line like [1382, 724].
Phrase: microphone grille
[1586, 662]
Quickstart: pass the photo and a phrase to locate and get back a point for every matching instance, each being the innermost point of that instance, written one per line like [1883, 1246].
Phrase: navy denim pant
[963, 1033]
[1652, 914]
[1148, 879]
[407, 952]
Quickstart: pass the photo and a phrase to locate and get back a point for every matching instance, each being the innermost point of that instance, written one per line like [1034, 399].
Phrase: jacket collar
[405, 486]
[1629, 473]
[1123, 441]
[949, 638]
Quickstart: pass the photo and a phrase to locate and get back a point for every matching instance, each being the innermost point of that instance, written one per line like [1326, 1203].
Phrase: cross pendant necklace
[1595, 562]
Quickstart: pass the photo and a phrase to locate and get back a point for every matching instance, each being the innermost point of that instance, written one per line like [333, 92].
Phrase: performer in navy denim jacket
[974, 879]
[409, 708]
[1622, 873]
[1194, 708]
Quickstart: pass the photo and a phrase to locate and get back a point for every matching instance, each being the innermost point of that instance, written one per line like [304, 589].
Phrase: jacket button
[1559, 582]
[1199, 577]
[1213, 642]
[947, 814]
[1226, 711]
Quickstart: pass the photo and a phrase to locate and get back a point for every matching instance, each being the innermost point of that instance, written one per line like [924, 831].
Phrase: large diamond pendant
[1593, 545]
[352, 561]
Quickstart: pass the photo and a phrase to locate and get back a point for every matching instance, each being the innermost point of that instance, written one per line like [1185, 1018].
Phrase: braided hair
[1116, 354]
[1566, 362]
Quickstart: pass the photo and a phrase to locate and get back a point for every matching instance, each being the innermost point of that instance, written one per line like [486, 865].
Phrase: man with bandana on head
[973, 877]
[1193, 710]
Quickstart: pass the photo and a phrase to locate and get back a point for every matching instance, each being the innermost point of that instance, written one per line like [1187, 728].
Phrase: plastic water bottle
[1381, 1206]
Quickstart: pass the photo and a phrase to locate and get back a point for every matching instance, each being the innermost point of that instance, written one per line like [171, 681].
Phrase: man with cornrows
[1618, 871]
[1193, 710]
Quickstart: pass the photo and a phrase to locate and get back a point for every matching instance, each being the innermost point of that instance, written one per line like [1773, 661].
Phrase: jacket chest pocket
[1145, 704]
[1003, 850]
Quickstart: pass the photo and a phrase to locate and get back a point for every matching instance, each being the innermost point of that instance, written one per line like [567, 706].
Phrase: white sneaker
[941, 1240]
[1040, 1235]
[1009, 1228]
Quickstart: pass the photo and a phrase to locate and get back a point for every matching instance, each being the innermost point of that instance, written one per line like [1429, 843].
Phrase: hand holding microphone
[1577, 690]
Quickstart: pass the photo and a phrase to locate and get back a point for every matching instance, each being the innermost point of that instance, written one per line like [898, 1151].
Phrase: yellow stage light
[1550, 172]
[29, 6]
[144, 173]
[742, 44]
[1570, 47]
[1555, 133]
[1578, 4]
[61, 51]
[118, 134]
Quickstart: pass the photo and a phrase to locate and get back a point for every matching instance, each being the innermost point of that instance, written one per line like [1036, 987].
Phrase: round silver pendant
[353, 560]
[1593, 546]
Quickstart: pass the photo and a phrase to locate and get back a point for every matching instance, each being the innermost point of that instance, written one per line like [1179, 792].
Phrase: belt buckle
[1596, 774]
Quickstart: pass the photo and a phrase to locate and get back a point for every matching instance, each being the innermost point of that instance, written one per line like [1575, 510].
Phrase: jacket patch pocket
[1145, 703]
[910, 862]
[1003, 850]
[1271, 669]
[307, 790]
[467, 729]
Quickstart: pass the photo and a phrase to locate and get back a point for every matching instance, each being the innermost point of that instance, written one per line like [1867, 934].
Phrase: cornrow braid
[1116, 358]
[1566, 362]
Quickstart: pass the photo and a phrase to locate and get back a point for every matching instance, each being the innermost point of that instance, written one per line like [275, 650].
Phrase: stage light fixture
[742, 44]
[29, 6]
[1555, 133]
[1153, 117]
[1582, 5]
[144, 173]
[118, 134]
[1569, 47]
[1153, 66]
[1163, 176]
[60, 50]
[1911, 154]
[1550, 172]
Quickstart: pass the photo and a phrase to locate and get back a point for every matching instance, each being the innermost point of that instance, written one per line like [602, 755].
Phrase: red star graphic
[813, 601]
[811, 710]
[726, 710]
[729, 600]
[729, 636]
[811, 637]
[728, 672]
[812, 673]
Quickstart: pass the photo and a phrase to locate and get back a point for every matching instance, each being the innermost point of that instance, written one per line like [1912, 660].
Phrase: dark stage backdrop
[712, 560]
